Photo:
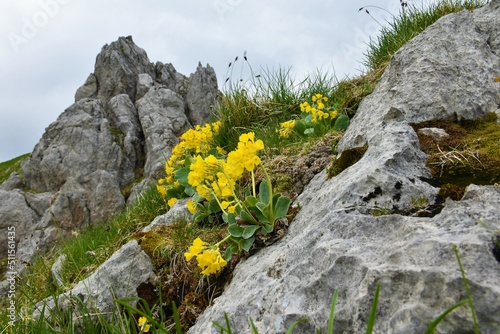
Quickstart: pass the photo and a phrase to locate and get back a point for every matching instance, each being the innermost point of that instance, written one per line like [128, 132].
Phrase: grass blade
[254, 329]
[467, 289]
[292, 327]
[332, 312]
[373, 313]
[177, 320]
[435, 322]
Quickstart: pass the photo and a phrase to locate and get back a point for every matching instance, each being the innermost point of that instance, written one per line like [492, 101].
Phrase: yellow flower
[286, 129]
[143, 326]
[211, 261]
[316, 97]
[161, 190]
[198, 171]
[333, 114]
[171, 201]
[194, 250]
[191, 205]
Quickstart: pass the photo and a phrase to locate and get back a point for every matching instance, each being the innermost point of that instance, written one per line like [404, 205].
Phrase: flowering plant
[211, 178]
[314, 115]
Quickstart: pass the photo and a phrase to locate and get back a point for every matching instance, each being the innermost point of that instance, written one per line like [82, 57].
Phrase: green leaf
[341, 123]
[247, 244]
[190, 191]
[251, 201]
[199, 216]
[332, 312]
[309, 131]
[227, 254]
[266, 229]
[261, 217]
[265, 192]
[292, 327]
[174, 193]
[281, 208]
[254, 329]
[435, 322]
[300, 126]
[229, 218]
[213, 206]
[235, 230]
[247, 217]
[373, 312]
[182, 176]
[249, 231]
[177, 320]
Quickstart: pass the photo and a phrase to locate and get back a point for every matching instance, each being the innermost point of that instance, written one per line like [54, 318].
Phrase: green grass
[256, 104]
[411, 22]
[13, 165]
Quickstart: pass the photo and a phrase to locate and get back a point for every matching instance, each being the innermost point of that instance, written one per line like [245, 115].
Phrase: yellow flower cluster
[193, 141]
[317, 109]
[143, 325]
[286, 129]
[209, 258]
[212, 176]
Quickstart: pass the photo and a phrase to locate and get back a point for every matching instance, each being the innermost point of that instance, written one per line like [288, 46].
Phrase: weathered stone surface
[15, 212]
[78, 144]
[167, 75]
[118, 66]
[334, 241]
[117, 278]
[178, 211]
[202, 94]
[412, 258]
[435, 133]
[144, 83]
[163, 120]
[13, 182]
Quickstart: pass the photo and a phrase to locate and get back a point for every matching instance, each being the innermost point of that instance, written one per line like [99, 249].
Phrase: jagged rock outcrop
[119, 277]
[126, 118]
[334, 242]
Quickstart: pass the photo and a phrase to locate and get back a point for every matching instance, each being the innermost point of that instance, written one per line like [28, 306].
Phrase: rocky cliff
[335, 242]
[105, 148]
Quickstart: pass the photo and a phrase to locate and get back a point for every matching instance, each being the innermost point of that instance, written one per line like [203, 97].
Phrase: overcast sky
[48, 47]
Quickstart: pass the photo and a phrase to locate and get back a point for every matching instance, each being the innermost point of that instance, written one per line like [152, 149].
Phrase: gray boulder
[78, 144]
[117, 278]
[162, 114]
[335, 243]
[118, 66]
[202, 94]
[126, 118]
[13, 182]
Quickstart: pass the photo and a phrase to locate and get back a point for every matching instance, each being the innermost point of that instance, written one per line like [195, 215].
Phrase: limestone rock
[163, 119]
[117, 278]
[202, 94]
[79, 143]
[13, 182]
[335, 241]
[125, 120]
[435, 133]
[116, 72]
[412, 258]
[14, 212]
[144, 83]
[178, 211]
[167, 75]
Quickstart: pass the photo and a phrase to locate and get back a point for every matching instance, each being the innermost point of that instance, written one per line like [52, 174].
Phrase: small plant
[211, 178]
[316, 118]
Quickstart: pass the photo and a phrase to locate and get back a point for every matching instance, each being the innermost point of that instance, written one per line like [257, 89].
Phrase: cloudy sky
[48, 47]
